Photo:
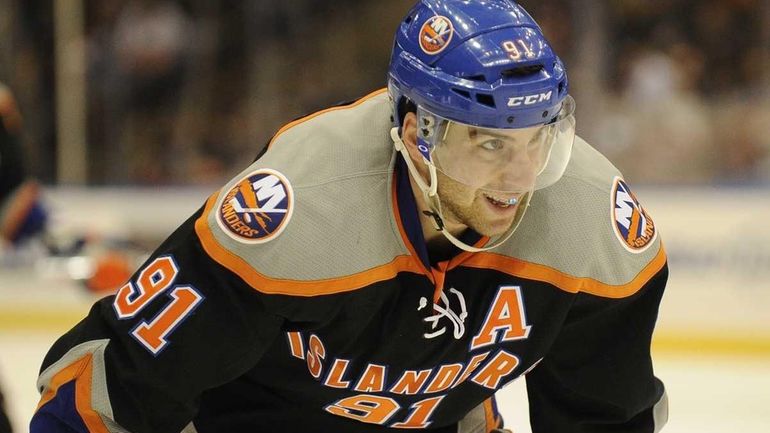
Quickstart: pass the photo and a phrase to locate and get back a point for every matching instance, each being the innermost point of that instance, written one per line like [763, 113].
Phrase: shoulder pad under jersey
[314, 214]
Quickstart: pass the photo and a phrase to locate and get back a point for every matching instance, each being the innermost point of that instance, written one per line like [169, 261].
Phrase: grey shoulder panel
[588, 231]
[316, 206]
[88, 356]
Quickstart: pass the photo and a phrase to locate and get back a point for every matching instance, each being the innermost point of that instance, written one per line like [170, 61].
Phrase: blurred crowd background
[180, 92]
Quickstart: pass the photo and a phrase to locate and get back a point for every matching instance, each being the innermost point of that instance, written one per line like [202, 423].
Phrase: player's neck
[438, 245]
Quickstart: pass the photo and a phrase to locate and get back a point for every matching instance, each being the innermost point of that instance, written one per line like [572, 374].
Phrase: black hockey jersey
[301, 298]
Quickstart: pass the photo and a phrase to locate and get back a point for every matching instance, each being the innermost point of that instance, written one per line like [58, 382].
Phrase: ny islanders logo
[436, 34]
[632, 225]
[257, 208]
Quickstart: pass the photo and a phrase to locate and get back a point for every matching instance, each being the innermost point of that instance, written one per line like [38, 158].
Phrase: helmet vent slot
[522, 71]
[485, 99]
[479, 77]
[464, 93]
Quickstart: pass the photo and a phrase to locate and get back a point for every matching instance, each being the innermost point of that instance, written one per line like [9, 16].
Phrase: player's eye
[493, 144]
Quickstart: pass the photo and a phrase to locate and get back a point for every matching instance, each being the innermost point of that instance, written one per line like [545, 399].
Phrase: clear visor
[497, 159]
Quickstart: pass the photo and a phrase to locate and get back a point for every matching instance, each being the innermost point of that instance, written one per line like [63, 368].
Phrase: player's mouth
[501, 202]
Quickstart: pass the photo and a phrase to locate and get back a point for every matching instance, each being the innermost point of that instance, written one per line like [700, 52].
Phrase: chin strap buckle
[438, 223]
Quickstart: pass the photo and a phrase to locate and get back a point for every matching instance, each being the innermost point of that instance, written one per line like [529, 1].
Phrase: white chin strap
[430, 192]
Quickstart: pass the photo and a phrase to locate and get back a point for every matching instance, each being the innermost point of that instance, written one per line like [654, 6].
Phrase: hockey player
[21, 214]
[390, 264]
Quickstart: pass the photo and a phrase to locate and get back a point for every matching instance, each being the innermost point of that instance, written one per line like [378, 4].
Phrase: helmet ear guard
[430, 188]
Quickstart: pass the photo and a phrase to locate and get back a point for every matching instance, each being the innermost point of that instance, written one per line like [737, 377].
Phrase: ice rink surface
[708, 393]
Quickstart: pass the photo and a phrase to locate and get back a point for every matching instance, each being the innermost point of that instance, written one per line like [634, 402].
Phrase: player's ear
[409, 137]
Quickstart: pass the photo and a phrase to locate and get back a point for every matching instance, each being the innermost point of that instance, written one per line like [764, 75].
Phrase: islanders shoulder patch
[631, 223]
[257, 208]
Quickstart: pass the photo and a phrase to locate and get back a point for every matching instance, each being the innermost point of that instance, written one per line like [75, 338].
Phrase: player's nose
[518, 170]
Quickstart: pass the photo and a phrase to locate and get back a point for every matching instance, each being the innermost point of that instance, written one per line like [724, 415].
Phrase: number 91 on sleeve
[155, 279]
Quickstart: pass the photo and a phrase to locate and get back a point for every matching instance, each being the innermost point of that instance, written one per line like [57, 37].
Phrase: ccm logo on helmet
[518, 101]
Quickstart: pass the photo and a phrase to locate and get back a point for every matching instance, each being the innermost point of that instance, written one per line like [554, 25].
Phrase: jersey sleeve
[141, 358]
[598, 376]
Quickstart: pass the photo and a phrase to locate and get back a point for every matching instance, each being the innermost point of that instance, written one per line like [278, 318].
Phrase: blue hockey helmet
[478, 69]
[483, 63]
[491, 102]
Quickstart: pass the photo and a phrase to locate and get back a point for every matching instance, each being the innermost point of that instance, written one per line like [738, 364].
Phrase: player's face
[497, 166]
[482, 210]
[472, 208]
[486, 161]
[501, 162]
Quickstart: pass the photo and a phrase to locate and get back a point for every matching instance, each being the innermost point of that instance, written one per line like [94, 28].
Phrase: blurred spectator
[151, 44]
[147, 58]
[659, 129]
[31, 75]
[150, 40]
[21, 214]
[743, 125]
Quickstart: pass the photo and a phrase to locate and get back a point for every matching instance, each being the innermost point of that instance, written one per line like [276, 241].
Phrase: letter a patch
[505, 320]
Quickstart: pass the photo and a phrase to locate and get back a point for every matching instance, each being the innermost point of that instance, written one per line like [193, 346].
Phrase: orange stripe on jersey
[277, 286]
[489, 415]
[568, 283]
[65, 375]
[311, 116]
[81, 371]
